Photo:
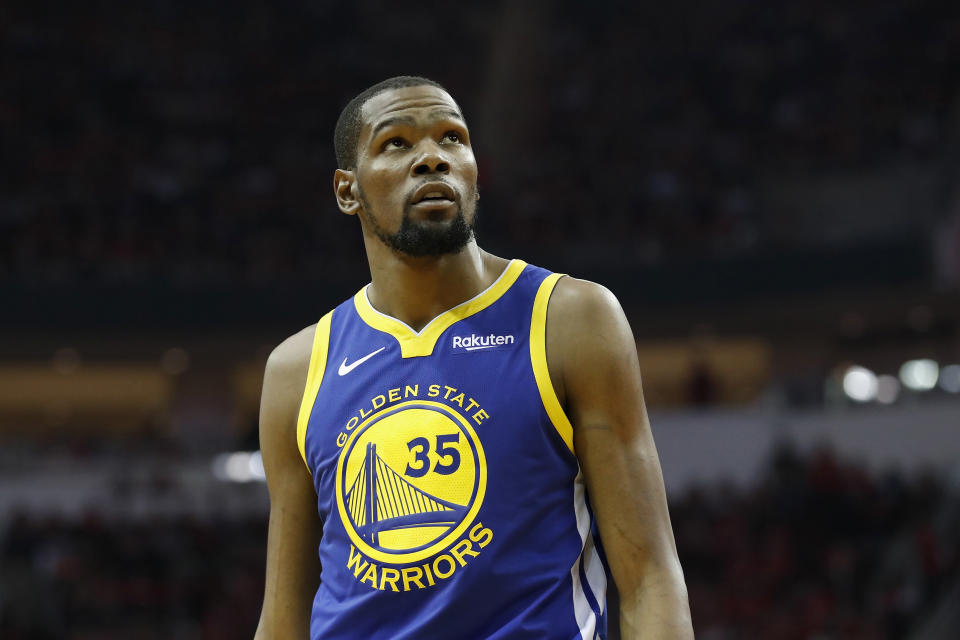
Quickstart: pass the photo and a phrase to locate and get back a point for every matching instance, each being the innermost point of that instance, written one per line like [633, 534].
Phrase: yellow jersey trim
[538, 357]
[414, 344]
[318, 364]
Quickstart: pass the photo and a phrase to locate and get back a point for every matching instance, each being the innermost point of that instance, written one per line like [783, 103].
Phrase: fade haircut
[347, 132]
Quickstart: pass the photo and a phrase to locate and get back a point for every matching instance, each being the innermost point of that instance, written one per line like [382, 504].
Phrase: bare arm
[593, 362]
[293, 571]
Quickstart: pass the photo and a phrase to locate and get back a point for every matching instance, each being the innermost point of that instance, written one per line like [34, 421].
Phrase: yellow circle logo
[410, 480]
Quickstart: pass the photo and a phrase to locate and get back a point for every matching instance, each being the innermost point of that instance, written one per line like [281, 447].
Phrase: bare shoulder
[284, 381]
[587, 332]
[293, 354]
[582, 314]
[581, 302]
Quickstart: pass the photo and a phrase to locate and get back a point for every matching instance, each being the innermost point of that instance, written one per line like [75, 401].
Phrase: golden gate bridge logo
[380, 499]
[410, 481]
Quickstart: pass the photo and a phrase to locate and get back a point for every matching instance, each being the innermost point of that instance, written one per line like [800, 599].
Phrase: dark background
[769, 188]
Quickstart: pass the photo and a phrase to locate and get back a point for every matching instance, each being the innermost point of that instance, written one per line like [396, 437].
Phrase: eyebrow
[408, 120]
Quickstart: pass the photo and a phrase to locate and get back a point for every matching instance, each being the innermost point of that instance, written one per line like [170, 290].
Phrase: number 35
[420, 447]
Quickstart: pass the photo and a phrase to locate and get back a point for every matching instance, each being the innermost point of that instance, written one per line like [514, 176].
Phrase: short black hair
[347, 132]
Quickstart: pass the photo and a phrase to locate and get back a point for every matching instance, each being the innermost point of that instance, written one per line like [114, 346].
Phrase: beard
[425, 238]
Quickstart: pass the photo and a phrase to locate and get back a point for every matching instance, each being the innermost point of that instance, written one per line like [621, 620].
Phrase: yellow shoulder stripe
[318, 364]
[538, 356]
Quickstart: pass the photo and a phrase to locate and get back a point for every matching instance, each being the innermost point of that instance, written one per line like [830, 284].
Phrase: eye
[452, 136]
[395, 143]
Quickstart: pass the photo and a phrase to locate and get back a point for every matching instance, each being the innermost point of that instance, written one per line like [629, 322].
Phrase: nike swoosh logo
[345, 368]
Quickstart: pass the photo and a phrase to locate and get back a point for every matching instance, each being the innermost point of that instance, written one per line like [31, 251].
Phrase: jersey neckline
[421, 343]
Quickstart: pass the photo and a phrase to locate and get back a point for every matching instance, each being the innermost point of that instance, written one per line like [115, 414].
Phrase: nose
[431, 162]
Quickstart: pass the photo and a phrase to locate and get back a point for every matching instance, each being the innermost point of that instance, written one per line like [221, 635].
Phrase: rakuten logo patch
[474, 342]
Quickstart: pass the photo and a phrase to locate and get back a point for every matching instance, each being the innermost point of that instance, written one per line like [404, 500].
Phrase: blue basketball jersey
[452, 503]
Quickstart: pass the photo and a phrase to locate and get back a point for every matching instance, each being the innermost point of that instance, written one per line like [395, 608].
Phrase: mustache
[458, 197]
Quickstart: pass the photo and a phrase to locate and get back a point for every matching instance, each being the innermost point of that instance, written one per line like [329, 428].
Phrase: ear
[343, 182]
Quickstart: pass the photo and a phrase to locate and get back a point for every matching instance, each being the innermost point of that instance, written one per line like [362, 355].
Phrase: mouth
[434, 193]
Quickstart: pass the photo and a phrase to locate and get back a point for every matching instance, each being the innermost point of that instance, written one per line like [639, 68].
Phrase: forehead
[416, 102]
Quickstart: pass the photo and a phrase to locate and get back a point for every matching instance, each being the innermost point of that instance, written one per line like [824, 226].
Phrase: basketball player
[449, 422]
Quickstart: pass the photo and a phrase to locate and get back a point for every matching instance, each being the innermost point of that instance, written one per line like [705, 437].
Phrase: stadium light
[256, 466]
[919, 375]
[239, 466]
[860, 384]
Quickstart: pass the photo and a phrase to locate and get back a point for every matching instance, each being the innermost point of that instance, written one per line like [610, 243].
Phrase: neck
[417, 290]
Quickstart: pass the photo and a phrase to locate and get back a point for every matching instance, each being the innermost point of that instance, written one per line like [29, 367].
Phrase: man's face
[416, 177]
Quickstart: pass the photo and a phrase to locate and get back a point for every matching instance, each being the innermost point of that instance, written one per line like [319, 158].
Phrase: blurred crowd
[818, 548]
[144, 580]
[184, 143]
